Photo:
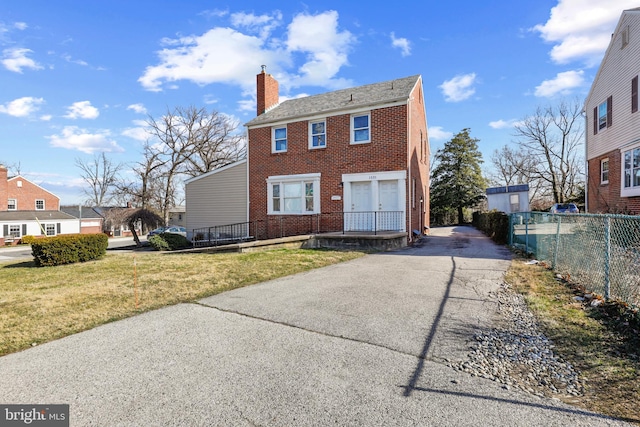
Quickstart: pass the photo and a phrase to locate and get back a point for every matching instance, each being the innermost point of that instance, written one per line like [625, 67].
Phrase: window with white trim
[50, 229]
[39, 204]
[604, 171]
[12, 204]
[360, 128]
[14, 230]
[602, 115]
[293, 194]
[279, 140]
[318, 134]
[631, 169]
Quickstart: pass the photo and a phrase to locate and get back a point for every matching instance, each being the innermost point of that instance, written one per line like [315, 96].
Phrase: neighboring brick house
[613, 124]
[355, 159]
[28, 209]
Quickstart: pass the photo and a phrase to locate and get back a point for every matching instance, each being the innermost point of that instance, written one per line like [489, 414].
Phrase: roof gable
[635, 13]
[397, 90]
[20, 177]
[215, 171]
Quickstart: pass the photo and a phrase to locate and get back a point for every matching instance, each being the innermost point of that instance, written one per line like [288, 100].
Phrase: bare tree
[512, 167]
[14, 169]
[183, 143]
[101, 175]
[552, 137]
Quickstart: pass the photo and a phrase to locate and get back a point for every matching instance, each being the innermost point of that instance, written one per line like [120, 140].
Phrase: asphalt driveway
[357, 343]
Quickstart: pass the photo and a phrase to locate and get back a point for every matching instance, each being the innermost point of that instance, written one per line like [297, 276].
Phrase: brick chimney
[267, 91]
[4, 189]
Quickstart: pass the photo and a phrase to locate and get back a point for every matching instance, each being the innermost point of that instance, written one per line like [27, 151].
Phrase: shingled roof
[33, 215]
[397, 90]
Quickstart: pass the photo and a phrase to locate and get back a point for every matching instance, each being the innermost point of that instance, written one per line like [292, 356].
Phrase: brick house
[613, 124]
[355, 160]
[28, 209]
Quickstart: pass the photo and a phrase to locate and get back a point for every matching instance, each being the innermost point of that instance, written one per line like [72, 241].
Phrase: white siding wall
[67, 226]
[619, 66]
[218, 198]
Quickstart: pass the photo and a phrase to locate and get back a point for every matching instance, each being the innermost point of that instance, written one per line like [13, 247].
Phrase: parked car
[176, 230]
[157, 231]
[564, 208]
[169, 229]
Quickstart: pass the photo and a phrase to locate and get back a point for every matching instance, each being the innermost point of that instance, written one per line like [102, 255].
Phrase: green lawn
[39, 304]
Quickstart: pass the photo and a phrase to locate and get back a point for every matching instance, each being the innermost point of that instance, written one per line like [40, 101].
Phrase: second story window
[317, 134]
[602, 115]
[12, 205]
[40, 204]
[634, 94]
[360, 128]
[279, 144]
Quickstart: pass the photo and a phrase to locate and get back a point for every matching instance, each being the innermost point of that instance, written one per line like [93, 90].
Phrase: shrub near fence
[601, 252]
[69, 248]
[494, 224]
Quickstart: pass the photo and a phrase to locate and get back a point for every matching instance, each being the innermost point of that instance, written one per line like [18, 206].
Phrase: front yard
[42, 304]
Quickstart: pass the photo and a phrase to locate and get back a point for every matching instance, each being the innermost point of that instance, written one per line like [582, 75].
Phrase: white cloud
[437, 133]
[326, 48]
[46, 117]
[139, 132]
[21, 107]
[581, 29]
[262, 24]
[197, 58]
[562, 84]
[459, 88]
[82, 110]
[20, 25]
[401, 43]
[15, 59]
[70, 59]
[137, 108]
[75, 138]
[503, 124]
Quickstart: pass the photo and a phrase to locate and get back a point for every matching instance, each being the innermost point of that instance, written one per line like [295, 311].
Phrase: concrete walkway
[358, 343]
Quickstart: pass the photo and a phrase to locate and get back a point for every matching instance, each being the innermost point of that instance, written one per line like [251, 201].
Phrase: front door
[389, 217]
[361, 217]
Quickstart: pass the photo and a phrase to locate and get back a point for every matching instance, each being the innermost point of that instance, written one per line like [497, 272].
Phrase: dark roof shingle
[33, 215]
[358, 97]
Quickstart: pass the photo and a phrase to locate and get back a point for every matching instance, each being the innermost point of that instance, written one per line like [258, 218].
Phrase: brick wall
[4, 194]
[419, 156]
[26, 193]
[387, 151]
[605, 198]
[268, 92]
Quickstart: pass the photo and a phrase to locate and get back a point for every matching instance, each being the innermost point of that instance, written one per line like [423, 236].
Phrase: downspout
[586, 162]
[410, 177]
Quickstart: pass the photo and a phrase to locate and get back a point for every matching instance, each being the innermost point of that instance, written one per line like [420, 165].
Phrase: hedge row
[494, 224]
[169, 242]
[69, 248]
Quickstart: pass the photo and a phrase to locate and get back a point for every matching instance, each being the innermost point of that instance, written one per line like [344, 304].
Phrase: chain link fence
[601, 252]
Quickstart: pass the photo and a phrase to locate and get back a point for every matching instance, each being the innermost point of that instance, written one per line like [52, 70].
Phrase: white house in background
[512, 198]
[16, 225]
[613, 124]
[219, 197]
[178, 216]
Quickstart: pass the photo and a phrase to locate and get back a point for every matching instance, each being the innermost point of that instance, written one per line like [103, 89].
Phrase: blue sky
[79, 78]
